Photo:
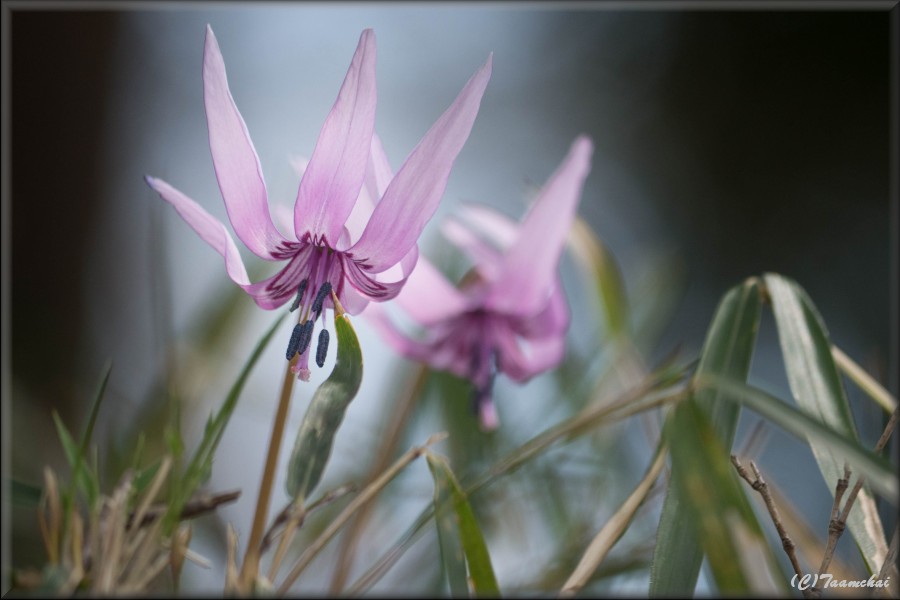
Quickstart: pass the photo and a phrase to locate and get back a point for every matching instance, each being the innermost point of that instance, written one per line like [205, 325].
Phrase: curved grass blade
[613, 529]
[458, 529]
[878, 471]
[714, 504]
[727, 351]
[200, 466]
[325, 413]
[599, 263]
[863, 380]
[816, 386]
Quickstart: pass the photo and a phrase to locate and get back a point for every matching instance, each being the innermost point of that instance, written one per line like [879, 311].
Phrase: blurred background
[728, 144]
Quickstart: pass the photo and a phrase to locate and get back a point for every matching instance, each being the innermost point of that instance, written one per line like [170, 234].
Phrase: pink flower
[355, 224]
[510, 316]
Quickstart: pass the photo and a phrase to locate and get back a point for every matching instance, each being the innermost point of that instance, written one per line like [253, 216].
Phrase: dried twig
[759, 484]
[195, 507]
[839, 519]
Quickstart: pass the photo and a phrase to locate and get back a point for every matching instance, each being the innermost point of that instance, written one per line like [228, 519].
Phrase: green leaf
[816, 386]
[447, 522]
[83, 477]
[457, 526]
[727, 351]
[201, 463]
[325, 413]
[710, 494]
[878, 471]
[25, 494]
[600, 264]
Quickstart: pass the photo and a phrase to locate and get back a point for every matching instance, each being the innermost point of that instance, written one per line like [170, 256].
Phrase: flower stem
[250, 568]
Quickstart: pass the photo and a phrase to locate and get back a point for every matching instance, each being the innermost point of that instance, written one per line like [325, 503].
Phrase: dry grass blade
[611, 531]
[865, 381]
[50, 516]
[369, 492]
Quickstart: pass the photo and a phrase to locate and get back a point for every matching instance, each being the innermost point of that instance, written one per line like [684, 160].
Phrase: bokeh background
[728, 144]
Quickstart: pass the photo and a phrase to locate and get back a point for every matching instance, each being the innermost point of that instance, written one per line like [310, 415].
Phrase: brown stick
[759, 484]
[836, 525]
[250, 568]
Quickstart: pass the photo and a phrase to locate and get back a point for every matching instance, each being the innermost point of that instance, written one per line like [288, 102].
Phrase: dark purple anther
[322, 350]
[320, 298]
[296, 304]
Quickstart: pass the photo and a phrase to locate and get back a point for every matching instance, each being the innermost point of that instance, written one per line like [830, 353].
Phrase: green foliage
[727, 351]
[816, 386]
[315, 438]
[200, 467]
[461, 540]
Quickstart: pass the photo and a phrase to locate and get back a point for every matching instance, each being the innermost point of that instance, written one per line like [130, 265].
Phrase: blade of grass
[643, 397]
[599, 263]
[365, 496]
[201, 464]
[816, 386]
[728, 351]
[315, 437]
[713, 501]
[613, 529]
[862, 379]
[450, 496]
[881, 473]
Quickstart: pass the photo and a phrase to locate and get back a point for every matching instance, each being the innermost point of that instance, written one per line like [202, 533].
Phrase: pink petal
[428, 297]
[493, 225]
[378, 176]
[415, 191]
[337, 167]
[529, 266]
[553, 320]
[522, 361]
[234, 158]
[486, 259]
[377, 316]
[207, 227]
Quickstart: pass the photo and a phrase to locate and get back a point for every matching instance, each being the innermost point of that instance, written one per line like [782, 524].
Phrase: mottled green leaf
[325, 413]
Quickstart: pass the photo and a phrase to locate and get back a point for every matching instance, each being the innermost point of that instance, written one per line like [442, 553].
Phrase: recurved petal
[415, 191]
[428, 297]
[553, 320]
[493, 225]
[522, 360]
[528, 268]
[337, 167]
[377, 316]
[237, 166]
[207, 227]
[485, 257]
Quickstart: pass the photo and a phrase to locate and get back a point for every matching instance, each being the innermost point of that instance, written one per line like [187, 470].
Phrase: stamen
[296, 304]
[322, 349]
[305, 336]
[320, 298]
[295, 342]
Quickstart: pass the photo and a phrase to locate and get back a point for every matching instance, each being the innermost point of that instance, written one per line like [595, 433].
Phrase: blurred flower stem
[250, 568]
[390, 437]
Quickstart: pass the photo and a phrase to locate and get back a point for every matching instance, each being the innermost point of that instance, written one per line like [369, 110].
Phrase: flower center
[313, 295]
